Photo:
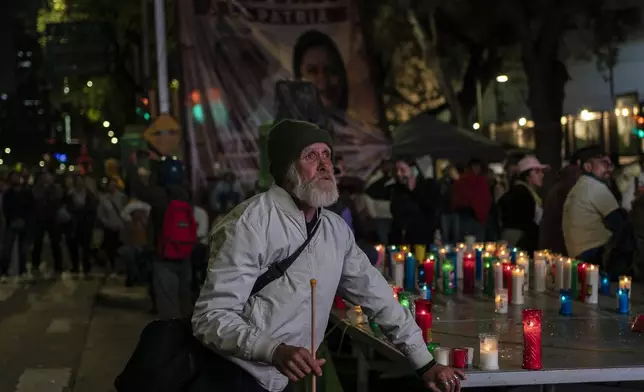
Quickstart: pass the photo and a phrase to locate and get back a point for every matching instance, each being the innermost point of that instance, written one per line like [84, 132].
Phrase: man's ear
[587, 166]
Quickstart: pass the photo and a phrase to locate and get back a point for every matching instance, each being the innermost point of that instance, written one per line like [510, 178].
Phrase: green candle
[448, 276]
[431, 346]
[488, 278]
[573, 279]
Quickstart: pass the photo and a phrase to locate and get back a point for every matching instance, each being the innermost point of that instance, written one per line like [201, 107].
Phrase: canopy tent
[424, 134]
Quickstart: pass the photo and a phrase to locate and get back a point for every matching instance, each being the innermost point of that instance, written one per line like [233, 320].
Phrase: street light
[41, 163]
[71, 168]
[106, 124]
[476, 126]
[502, 78]
[7, 150]
[90, 83]
[522, 122]
[110, 134]
[114, 140]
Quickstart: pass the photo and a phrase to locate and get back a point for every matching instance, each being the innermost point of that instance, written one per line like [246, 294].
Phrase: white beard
[316, 193]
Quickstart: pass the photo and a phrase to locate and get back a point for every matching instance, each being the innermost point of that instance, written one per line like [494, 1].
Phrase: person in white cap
[521, 207]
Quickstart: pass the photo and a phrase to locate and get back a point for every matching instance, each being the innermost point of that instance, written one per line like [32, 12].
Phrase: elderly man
[263, 339]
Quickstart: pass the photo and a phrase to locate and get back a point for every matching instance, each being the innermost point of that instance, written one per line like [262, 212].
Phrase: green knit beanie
[287, 139]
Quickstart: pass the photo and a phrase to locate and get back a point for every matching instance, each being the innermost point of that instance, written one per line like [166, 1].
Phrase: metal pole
[162, 58]
[145, 41]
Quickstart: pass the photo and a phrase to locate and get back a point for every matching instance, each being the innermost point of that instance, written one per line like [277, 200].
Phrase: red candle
[507, 279]
[429, 268]
[338, 303]
[468, 273]
[396, 290]
[532, 339]
[581, 278]
[459, 358]
[424, 321]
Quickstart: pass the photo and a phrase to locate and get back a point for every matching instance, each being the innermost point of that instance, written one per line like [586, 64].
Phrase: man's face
[312, 176]
[403, 171]
[599, 167]
[317, 67]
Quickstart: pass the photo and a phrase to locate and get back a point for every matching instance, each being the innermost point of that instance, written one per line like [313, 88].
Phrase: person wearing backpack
[173, 233]
[254, 311]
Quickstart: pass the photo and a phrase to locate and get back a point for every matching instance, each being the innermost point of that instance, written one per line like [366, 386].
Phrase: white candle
[504, 256]
[469, 242]
[441, 355]
[559, 273]
[567, 274]
[470, 356]
[398, 267]
[524, 262]
[539, 282]
[498, 276]
[501, 301]
[518, 277]
[459, 261]
[489, 352]
[592, 285]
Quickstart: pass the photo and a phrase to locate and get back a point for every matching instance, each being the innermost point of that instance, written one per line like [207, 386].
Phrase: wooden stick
[313, 283]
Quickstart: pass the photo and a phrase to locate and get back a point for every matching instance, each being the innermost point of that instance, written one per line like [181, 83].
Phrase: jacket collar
[285, 202]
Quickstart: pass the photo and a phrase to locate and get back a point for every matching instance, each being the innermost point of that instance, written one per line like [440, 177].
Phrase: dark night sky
[7, 63]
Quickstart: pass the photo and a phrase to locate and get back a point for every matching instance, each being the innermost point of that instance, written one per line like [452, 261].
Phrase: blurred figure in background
[17, 205]
[472, 200]
[82, 204]
[109, 216]
[47, 201]
[521, 207]
[380, 210]
[226, 194]
[449, 219]
[134, 238]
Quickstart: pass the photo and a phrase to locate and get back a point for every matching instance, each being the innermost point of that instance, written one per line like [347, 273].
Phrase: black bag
[168, 357]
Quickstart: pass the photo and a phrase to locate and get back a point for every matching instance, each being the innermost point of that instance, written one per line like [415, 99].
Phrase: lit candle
[404, 248]
[442, 354]
[524, 262]
[478, 254]
[397, 290]
[532, 339]
[410, 272]
[604, 286]
[513, 255]
[488, 278]
[429, 269]
[403, 299]
[460, 252]
[539, 281]
[592, 284]
[420, 252]
[504, 256]
[501, 301]
[469, 277]
[498, 275]
[567, 274]
[489, 351]
[518, 278]
[539, 255]
[623, 306]
[507, 279]
[559, 273]
[431, 347]
[490, 247]
[424, 318]
[398, 268]
[449, 277]
[574, 278]
[565, 299]
[581, 279]
[380, 265]
[392, 250]
[625, 283]
[425, 291]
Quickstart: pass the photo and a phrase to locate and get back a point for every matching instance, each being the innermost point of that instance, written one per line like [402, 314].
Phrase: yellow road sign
[164, 134]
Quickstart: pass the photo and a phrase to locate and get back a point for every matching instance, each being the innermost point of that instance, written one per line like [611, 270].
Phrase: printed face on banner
[243, 48]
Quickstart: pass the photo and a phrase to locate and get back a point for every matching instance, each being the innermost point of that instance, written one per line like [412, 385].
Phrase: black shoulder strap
[277, 270]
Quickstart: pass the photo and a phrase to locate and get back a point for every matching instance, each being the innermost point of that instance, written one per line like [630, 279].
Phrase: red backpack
[179, 232]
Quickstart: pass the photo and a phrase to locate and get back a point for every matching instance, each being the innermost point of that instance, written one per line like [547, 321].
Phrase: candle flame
[592, 267]
[379, 247]
[404, 248]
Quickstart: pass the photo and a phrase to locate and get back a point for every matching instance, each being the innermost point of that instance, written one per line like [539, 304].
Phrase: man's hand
[443, 379]
[296, 362]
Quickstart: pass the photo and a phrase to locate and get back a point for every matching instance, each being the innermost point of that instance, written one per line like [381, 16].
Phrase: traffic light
[143, 107]
[638, 130]
[214, 103]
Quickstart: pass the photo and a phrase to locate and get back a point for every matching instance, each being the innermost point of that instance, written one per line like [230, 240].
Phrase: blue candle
[604, 284]
[390, 260]
[425, 291]
[513, 255]
[478, 253]
[452, 257]
[410, 272]
[565, 298]
[622, 301]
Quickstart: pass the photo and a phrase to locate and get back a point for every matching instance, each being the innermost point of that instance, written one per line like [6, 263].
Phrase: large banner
[234, 52]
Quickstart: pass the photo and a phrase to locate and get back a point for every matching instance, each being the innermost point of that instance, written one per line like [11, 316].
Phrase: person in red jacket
[472, 200]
